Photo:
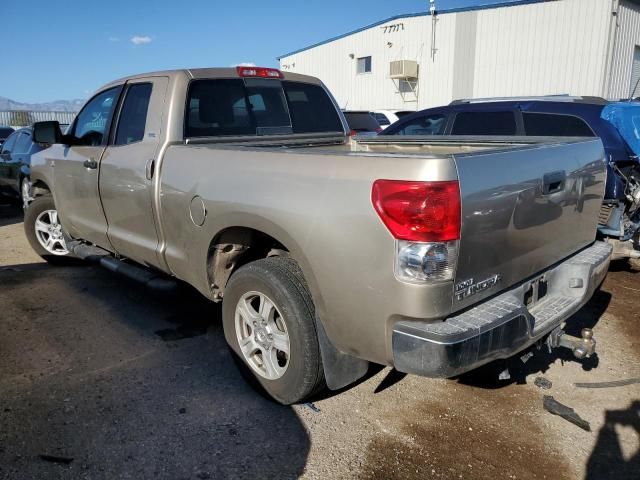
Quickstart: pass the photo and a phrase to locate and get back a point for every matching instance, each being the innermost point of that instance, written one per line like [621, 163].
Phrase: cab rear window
[253, 106]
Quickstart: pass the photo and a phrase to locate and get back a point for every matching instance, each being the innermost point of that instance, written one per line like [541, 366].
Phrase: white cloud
[114, 39]
[140, 40]
[244, 64]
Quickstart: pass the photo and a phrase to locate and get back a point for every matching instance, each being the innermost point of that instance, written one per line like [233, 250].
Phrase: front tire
[269, 323]
[44, 231]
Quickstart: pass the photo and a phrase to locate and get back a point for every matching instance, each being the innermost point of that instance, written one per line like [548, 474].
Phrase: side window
[382, 119]
[91, 122]
[7, 146]
[364, 65]
[553, 125]
[133, 116]
[23, 143]
[429, 125]
[484, 123]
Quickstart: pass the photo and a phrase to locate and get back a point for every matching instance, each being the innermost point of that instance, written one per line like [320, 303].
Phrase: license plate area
[536, 291]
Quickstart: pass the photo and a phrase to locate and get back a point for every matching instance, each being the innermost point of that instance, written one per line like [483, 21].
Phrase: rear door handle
[91, 163]
[553, 182]
[150, 168]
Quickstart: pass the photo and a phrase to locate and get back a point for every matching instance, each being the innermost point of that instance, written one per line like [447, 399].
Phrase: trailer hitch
[582, 347]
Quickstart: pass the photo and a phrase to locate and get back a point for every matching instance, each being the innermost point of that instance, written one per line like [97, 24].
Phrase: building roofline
[512, 3]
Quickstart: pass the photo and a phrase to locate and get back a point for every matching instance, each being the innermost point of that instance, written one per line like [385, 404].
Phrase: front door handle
[91, 163]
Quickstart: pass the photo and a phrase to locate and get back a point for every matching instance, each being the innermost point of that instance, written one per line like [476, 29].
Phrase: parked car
[4, 133]
[15, 165]
[326, 252]
[361, 123]
[387, 117]
[554, 116]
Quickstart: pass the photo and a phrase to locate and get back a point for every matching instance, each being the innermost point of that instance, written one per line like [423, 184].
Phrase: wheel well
[234, 247]
[40, 188]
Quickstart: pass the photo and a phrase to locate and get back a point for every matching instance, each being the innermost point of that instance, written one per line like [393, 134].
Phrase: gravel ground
[102, 378]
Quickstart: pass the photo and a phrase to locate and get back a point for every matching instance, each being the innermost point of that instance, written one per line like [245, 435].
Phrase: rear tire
[268, 308]
[44, 232]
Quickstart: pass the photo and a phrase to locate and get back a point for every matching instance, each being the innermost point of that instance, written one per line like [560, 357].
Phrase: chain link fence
[24, 118]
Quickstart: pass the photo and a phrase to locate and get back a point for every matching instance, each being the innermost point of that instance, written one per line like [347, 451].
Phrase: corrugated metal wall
[626, 38]
[541, 49]
[535, 49]
[335, 62]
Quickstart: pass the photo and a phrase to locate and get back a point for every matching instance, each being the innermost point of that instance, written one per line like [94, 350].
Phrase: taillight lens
[260, 72]
[419, 211]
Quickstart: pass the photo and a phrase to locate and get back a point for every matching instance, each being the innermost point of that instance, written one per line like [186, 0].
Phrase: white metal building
[520, 48]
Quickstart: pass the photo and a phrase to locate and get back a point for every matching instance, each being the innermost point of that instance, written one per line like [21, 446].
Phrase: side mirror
[47, 132]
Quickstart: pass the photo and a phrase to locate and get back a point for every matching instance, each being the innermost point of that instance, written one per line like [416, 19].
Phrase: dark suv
[559, 116]
[15, 164]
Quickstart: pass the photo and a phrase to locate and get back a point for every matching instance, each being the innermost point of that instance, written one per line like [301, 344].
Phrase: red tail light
[259, 72]
[419, 211]
[352, 133]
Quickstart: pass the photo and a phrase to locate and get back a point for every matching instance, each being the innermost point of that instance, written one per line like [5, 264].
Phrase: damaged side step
[148, 277]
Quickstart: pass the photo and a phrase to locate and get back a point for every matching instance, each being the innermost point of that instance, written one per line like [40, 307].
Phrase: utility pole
[434, 20]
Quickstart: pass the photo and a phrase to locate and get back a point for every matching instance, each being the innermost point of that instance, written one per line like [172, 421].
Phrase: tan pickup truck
[327, 253]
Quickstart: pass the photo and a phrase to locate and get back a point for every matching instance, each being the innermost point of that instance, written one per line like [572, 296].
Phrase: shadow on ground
[10, 213]
[607, 460]
[117, 381]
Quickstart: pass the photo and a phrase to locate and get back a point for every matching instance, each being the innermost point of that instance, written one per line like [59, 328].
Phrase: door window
[7, 147]
[133, 116]
[484, 123]
[91, 124]
[23, 143]
[382, 119]
[429, 125]
[553, 125]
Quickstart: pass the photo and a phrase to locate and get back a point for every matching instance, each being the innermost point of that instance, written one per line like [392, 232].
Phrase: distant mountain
[55, 106]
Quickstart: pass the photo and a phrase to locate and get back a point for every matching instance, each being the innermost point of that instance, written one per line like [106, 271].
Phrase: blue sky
[66, 49]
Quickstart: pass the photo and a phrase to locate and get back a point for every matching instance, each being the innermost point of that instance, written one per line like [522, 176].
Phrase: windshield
[255, 106]
[5, 132]
[361, 121]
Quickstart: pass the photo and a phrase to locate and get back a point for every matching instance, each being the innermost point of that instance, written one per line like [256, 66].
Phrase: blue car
[15, 165]
[556, 116]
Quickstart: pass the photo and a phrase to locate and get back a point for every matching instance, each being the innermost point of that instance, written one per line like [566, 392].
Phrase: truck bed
[317, 199]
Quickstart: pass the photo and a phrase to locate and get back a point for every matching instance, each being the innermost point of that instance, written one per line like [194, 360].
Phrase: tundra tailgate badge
[467, 288]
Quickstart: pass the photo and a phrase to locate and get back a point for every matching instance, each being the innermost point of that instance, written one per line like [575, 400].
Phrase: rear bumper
[503, 325]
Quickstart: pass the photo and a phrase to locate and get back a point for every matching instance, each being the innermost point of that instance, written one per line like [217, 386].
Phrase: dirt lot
[101, 378]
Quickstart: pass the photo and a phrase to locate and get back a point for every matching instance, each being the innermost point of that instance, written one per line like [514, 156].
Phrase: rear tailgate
[523, 210]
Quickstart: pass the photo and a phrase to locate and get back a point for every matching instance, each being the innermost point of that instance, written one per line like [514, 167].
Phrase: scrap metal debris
[56, 459]
[504, 375]
[312, 407]
[524, 358]
[542, 383]
[554, 407]
[614, 383]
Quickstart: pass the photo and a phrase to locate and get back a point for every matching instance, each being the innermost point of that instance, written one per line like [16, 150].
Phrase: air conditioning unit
[403, 69]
